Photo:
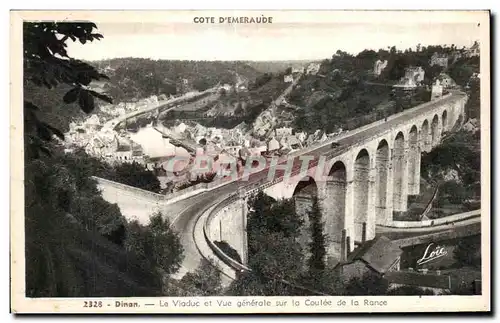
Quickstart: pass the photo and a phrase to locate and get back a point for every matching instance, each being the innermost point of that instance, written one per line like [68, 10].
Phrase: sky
[277, 41]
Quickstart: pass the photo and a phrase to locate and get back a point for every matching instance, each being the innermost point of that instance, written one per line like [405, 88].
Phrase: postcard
[274, 161]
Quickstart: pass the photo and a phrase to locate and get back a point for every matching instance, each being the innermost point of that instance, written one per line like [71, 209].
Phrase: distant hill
[278, 66]
[135, 78]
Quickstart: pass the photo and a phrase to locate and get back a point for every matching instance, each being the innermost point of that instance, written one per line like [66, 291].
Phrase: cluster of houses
[102, 142]
[381, 258]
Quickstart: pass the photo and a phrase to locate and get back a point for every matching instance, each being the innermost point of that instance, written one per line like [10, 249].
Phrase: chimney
[348, 246]
[343, 247]
[363, 233]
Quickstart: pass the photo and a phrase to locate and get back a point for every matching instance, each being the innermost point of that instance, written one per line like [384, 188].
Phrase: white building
[441, 60]
[282, 132]
[437, 90]
[313, 68]
[273, 145]
[180, 128]
[288, 78]
[379, 66]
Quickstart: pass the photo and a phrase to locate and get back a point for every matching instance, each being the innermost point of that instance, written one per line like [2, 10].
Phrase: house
[293, 142]
[439, 59]
[273, 145]
[472, 125]
[406, 83]
[415, 73]
[233, 150]
[297, 70]
[180, 128]
[446, 81]
[312, 68]
[379, 66]
[437, 90]
[474, 50]
[282, 132]
[288, 78]
[378, 256]
[301, 136]
[435, 282]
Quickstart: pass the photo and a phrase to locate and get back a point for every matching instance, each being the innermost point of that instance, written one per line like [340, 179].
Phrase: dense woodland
[345, 93]
[135, 78]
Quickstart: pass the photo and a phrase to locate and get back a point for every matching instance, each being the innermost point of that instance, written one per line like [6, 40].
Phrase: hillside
[278, 66]
[135, 78]
[235, 106]
[346, 94]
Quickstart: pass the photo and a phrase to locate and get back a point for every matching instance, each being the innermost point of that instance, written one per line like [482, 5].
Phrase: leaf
[71, 95]
[104, 76]
[31, 106]
[44, 132]
[86, 101]
[102, 97]
[55, 131]
[45, 150]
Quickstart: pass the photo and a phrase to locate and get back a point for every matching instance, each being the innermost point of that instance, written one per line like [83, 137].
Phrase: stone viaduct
[369, 177]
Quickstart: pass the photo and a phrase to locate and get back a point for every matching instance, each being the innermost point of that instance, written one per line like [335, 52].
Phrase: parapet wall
[105, 183]
[428, 223]
[207, 231]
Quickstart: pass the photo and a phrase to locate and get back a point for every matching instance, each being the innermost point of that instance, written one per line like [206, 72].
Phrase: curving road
[186, 222]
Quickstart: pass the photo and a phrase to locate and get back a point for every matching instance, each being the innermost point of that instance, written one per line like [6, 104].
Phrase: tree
[369, 284]
[157, 242]
[410, 290]
[135, 174]
[204, 281]
[318, 244]
[46, 63]
[466, 253]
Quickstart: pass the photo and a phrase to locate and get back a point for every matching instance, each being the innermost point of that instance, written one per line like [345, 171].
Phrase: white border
[255, 4]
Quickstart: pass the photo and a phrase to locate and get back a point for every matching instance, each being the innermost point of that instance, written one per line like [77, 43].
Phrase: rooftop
[413, 278]
[379, 253]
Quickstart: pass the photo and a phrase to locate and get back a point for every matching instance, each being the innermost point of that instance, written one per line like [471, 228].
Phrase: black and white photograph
[338, 158]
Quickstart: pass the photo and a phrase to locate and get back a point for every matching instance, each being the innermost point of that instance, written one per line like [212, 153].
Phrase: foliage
[274, 254]
[409, 290]
[156, 243]
[267, 216]
[135, 78]
[47, 64]
[459, 154]
[467, 253]
[345, 93]
[135, 174]
[228, 250]
[204, 281]
[318, 244]
[368, 284]
[74, 238]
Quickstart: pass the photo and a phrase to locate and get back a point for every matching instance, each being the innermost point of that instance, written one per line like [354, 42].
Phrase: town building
[273, 145]
[288, 78]
[415, 73]
[437, 283]
[379, 66]
[474, 50]
[313, 68]
[282, 132]
[378, 256]
[446, 81]
[437, 90]
[439, 59]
